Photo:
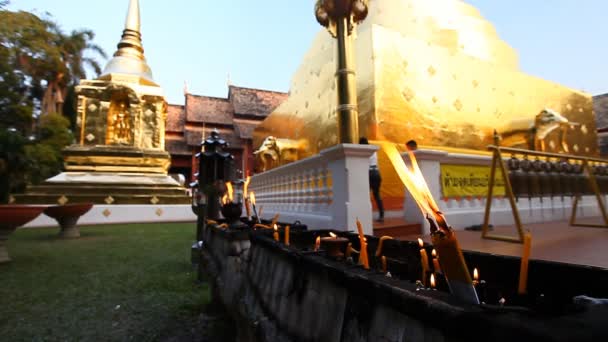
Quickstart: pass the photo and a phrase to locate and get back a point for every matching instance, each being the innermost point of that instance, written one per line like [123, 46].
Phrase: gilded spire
[132, 22]
[129, 57]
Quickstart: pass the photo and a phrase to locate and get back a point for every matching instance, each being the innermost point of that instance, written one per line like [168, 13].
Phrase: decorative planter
[67, 216]
[12, 217]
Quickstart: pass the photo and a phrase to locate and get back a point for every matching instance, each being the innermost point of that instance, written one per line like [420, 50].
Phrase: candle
[246, 194]
[252, 198]
[424, 261]
[381, 244]
[475, 276]
[287, 235]
[433, 281]
[275, 219]
[363, 260]
[276, 233]
[523, 270]
[317, 243]
[384, 266]
[436, 266]
[349, 250]
[334, 245]
[454, 267]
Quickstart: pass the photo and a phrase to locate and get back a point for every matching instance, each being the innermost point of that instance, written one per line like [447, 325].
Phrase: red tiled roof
[176, 117]
[208, 109]
[248, 101]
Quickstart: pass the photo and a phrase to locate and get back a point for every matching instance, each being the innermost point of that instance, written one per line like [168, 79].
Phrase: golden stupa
[433, 71]
[120, 156]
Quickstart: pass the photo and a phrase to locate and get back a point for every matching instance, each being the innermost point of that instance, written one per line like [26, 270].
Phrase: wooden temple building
[235, 117]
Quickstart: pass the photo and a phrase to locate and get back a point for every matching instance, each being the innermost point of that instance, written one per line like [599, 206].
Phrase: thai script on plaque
[469, 180]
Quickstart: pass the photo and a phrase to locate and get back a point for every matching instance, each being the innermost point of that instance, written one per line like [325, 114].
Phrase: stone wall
[289, 293]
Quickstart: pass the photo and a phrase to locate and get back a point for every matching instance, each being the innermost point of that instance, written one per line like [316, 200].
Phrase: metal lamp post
[340, 17]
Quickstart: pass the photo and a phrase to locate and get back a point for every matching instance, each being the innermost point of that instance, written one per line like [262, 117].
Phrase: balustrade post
[349, 166]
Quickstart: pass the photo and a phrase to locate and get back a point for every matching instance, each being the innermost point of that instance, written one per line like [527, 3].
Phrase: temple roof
[249, 101]
[208, 109]
[176, 118]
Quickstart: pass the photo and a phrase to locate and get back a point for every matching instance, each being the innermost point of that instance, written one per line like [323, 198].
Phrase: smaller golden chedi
[120, 155]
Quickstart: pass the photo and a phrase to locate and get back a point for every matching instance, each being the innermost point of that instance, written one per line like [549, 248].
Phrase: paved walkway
[553, 241]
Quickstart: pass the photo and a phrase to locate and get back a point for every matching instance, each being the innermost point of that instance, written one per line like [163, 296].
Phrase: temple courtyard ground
[115, 283]
[551, 241]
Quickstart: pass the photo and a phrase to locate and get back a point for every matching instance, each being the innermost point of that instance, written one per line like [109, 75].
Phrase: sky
[260, 44]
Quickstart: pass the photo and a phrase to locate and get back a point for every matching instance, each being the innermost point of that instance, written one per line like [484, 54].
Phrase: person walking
[374, 179]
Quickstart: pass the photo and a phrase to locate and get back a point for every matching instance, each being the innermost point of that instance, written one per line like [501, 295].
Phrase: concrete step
[396, 227]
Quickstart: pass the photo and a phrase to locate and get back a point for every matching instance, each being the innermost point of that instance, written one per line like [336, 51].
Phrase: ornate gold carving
[90, 137]
[109, 200]
[119, 124]
[159, 212]
[62, 200]
[154, 200]
[106, 212]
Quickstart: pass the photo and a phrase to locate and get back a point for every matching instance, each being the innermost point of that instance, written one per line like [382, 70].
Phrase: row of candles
[523, 272]
[332, 241]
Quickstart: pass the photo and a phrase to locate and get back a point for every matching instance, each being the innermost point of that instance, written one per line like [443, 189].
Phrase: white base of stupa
[114, 214]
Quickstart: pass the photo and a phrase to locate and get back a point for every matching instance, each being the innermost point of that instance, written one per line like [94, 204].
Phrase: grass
[115, 283]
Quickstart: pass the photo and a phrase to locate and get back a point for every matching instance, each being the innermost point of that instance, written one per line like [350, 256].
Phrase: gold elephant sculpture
[278, 151]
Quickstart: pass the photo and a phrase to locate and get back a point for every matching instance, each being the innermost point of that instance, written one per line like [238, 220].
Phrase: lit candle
[424, 261]
[276, 233]
[275, 219]
[252, 198]
[432, 281]
[317, 243]
[381, 244]
[363, 260]
[246, 194]
[287, 235]
[475, 276]
[523, 270]
[349, 250]
[334, 245]
[384, 266]
[436, 266]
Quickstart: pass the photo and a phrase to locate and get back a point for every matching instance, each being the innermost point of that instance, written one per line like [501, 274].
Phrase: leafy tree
[13, 163]
[39, 67]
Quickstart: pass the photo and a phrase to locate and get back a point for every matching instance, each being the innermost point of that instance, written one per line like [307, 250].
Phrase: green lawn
[120, 282]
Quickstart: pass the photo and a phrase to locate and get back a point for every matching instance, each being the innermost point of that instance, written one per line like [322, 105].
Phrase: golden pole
[340, 17]
[348, 118]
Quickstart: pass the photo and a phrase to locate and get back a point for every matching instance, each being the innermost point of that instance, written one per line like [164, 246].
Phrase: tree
[39, 67]
[41, 63]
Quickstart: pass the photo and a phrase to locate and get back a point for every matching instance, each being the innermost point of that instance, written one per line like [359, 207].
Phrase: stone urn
[67, 216]
[12, 217]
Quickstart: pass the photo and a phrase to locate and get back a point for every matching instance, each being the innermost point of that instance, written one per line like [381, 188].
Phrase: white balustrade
[326, 191]
[468, 211]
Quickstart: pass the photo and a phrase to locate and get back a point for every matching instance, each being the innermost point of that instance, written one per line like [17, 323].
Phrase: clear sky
[261, 43]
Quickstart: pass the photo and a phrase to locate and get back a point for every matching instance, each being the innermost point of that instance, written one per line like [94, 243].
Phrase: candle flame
[475, 274]
[317, 243]
[227, 198]
[434, 253]
[420, 242]
[432, 281]
[246, 186]
[275, 227]
[252, 198]
[414, 182]
[333, 235]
